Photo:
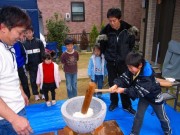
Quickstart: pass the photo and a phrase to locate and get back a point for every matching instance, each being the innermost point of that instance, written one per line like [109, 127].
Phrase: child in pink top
[48, 77]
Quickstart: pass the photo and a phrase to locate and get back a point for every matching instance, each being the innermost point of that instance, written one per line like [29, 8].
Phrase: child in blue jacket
[139, 82]
[97, 68]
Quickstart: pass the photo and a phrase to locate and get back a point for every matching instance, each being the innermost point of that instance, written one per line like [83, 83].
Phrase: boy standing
[139, 82]
[69, 61]
[13, 23]
[35, 50]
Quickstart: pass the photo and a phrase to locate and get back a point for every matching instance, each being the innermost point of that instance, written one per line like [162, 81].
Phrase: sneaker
[112, 107]
[130, 110]
[168, 133]
[95, 94]
[36, 97]
[174, 91]
[152, 113]
[48, 103]
[99, 94]
[42, 97]
[53, 102]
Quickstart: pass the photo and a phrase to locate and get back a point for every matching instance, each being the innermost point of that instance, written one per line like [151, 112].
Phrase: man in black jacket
[116, 42]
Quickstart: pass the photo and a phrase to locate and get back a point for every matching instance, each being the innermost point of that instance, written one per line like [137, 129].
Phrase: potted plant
[84, 41]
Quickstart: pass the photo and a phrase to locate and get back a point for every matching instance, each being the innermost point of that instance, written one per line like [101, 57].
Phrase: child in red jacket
[48, 77]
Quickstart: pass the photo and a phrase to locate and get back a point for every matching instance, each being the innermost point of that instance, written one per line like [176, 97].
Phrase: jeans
[6, 127]
[71, 84]
[160, 112]
[99, 81]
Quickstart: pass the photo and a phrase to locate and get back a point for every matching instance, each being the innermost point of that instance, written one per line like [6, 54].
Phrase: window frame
[74, 13]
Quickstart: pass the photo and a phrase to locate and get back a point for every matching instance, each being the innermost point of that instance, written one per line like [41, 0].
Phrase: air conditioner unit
[68, 17]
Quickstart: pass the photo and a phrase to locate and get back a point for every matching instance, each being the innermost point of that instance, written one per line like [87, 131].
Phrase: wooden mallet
[88, 97]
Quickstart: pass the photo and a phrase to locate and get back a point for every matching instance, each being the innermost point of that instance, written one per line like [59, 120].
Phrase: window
[77, 12]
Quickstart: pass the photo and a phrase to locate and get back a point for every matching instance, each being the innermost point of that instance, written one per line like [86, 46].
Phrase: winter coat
[91, 67]
[35, 50]
[144, 85]
[118, 44]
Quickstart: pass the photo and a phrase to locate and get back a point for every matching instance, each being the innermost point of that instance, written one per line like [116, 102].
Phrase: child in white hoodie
[48, 77]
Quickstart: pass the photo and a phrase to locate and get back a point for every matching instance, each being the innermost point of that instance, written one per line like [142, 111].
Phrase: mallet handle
[102, 90]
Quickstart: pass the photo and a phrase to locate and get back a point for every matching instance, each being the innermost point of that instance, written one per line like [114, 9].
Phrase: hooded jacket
[92, 65]
[118, 42]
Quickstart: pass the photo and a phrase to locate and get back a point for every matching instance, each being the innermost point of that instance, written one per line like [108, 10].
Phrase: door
[163, 29]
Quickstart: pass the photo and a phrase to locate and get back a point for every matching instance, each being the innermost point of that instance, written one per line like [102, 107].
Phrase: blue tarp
[30, 6]
[45, 119]
[53, 46]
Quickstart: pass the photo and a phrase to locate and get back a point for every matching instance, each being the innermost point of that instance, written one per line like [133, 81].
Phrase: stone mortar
[83, 125]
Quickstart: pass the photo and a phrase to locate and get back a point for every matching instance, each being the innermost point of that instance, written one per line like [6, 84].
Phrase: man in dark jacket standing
[116, 42]
[35, 50]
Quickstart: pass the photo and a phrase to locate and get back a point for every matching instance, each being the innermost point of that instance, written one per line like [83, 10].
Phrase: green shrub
[102, 26]
[93, 35]
[57, 29]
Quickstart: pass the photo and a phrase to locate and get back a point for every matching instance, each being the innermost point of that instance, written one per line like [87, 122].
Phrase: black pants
[24, 80]
[49, 87]
[33, 75]
[114, 70]
[160, 113]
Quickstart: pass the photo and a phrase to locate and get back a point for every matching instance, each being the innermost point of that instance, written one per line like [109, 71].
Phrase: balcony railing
[77, 36]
